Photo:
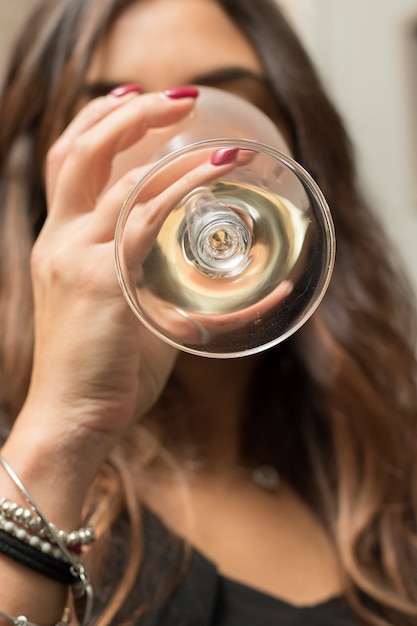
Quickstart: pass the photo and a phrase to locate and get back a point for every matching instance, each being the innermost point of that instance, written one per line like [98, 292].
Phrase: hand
[94, 366]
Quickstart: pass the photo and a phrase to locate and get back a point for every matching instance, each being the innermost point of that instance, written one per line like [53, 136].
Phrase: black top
[206, 598]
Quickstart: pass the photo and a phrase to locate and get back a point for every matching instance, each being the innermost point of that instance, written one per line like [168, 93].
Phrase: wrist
[57, 470]
[35, 542]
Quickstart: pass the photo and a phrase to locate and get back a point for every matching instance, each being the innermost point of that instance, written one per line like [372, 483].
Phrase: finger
[193, 329]
[163, 191]
[87, 166]
[249, 314]
[147, 212]
[104, 217]
[93, 112]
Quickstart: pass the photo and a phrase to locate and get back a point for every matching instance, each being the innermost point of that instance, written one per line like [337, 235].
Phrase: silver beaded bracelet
[25, 519]
[82, 588]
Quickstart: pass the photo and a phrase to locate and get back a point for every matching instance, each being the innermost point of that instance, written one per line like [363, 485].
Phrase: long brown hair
[351, 434]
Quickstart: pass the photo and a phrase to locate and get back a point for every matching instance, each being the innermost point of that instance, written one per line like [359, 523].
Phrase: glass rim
[313, 192]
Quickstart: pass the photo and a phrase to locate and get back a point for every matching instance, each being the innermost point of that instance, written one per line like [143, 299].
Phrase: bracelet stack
[29, 539]
[27, 527]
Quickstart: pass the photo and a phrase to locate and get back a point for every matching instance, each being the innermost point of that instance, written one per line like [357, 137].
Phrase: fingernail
[181, 92]
[224, 156]
[123, 90]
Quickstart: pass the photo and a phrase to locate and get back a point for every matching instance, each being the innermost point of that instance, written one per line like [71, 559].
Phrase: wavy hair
[351, 435]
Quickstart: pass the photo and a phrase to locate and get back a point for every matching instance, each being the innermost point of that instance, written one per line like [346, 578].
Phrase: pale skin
[96, 369]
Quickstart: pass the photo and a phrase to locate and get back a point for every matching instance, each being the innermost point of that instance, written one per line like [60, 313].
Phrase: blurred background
[366, 53]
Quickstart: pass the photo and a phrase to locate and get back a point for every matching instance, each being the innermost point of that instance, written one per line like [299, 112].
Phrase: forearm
[57, 474]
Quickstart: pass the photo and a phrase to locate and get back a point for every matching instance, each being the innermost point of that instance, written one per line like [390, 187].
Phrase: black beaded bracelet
[36, 560]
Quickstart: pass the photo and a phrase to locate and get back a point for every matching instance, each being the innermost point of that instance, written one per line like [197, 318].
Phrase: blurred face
[165, 43]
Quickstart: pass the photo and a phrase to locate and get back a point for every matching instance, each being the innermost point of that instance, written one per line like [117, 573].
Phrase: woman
[102, 422]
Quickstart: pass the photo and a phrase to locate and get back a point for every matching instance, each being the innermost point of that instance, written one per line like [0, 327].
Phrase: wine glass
[237, 256]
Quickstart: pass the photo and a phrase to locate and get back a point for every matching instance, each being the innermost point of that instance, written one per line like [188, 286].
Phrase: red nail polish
[224, 156]
[123, 90]
[181, 92]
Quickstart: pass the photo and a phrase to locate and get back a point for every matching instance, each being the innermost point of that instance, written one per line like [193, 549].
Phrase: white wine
[252, 240]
